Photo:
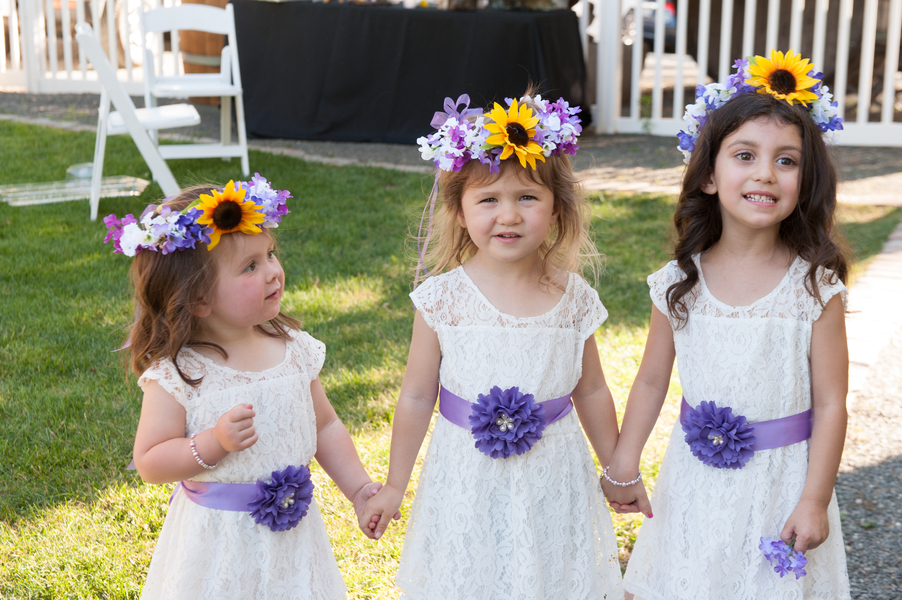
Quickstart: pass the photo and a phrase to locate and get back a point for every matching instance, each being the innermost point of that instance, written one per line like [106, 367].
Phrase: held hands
[628, 499]
[374, 518]
[360, 500]
[234, 430]
[807, 524]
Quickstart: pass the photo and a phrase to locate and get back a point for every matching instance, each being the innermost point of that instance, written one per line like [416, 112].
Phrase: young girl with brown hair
[752, 308]
[508, 503]
[233, 407]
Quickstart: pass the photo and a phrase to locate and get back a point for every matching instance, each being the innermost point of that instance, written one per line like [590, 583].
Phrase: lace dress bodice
[528, 527]
[209, 553]
[703, 541]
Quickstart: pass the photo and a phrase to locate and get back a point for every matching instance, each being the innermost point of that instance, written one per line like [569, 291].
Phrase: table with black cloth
[342, 72]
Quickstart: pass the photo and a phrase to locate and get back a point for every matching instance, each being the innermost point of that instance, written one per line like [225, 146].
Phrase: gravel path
[869, 486]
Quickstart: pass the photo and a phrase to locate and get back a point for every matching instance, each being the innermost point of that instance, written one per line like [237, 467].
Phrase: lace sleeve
[828, 285]
[312, 353]
[592, 310]
[660, 281]
[163, 372]
[422, 298]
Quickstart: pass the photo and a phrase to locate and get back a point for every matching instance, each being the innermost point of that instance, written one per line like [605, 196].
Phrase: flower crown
[464, 135]
[247, 206]
[788, 77]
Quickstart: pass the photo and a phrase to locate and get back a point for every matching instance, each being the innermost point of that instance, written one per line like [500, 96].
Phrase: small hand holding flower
[374, 518]
[234, 430]
[807, 524]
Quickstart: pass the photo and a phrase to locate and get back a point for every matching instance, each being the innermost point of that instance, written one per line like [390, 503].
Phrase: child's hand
[808, 524]
[374, 518]
[359, 501]
[235, 430]
[629, 499]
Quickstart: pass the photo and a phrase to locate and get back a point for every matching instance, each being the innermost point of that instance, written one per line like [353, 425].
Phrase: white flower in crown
[132, 237]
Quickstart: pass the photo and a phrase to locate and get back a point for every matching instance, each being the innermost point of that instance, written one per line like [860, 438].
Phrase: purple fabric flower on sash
[281, 504]
[717, 438]
[506, 422]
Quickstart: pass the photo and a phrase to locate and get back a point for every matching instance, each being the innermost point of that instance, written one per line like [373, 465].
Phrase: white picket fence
[865, 37]
[38, 54]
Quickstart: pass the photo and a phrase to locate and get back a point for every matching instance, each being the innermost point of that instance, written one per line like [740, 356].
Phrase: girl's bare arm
[413, 413]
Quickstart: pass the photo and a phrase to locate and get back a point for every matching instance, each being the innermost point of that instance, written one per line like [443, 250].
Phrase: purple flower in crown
[717, 438]
[115, 229]
[282, 503]
[506, 422]
[274, 202]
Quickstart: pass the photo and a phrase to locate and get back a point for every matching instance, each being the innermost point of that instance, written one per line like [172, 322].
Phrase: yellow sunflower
[227, 211]
[785, 77]
[514, 131]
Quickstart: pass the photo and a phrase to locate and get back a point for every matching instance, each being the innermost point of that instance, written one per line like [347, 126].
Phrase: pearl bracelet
[197, 456]
[621, 483]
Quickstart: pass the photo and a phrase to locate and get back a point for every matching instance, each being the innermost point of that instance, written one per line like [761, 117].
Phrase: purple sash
[774, 433]
[458, 411]
[221, 496]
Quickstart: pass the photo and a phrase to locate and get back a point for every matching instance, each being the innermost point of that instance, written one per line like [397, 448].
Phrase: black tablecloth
[377, 73]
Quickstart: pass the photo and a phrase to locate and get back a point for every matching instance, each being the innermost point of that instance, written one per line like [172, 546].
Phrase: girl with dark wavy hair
[753, 310]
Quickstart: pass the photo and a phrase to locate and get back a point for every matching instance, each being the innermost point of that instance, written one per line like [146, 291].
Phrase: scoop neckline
[234, 370]
[482, 296]
[701, 277]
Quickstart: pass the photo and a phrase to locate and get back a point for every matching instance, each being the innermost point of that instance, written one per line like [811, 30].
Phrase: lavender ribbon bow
[439, 118]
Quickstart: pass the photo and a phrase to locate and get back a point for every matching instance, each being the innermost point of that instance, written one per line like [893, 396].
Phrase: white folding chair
[128, 119]
[226, 84]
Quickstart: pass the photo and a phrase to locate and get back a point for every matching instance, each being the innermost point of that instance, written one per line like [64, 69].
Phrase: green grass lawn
[73, 522]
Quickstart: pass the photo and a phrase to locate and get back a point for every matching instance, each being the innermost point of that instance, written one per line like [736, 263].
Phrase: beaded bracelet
[197, 456]
[621, 483]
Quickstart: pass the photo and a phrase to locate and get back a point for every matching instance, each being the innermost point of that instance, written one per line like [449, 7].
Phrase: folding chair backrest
[196, 17]
[90, 46]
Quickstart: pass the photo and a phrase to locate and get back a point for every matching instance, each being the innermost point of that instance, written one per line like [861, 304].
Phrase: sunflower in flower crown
[783, 76]
[514, 131]
[227, 211]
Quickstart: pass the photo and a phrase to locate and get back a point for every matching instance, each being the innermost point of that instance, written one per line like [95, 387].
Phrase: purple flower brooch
[281, 504]
[783, 557]
[717, 437]
[506, 422]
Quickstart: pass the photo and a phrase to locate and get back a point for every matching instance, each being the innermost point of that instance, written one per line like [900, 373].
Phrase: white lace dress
[212, 554]
[533, 526]
[702, 543]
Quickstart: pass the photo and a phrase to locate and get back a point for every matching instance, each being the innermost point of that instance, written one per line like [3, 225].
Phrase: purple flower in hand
[783, 557]
[717, 438]
[506, 422]
[281, 504]
[797, 563]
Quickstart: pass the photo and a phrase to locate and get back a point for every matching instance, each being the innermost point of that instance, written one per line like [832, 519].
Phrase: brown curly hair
[809, 231]
[167, 291]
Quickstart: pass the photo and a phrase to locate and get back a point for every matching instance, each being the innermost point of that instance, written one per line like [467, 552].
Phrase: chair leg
[153, 133]
[225, 120]
[99, 148]
[242, 134]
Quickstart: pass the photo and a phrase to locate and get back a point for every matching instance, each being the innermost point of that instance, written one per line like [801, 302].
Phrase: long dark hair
[167, 291]
[808, 231]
